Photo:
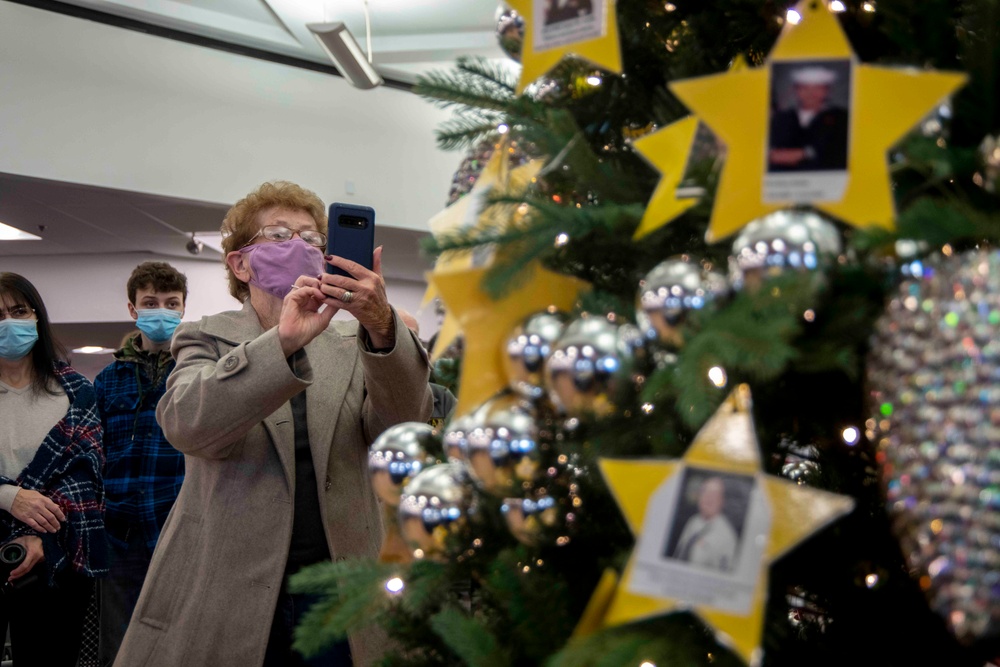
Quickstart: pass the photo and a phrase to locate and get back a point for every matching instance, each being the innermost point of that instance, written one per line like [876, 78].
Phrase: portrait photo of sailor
[810, 116]
[557, 11]
[562, 22]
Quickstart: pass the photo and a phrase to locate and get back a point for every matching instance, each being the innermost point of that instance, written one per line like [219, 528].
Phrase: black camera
[11, 555]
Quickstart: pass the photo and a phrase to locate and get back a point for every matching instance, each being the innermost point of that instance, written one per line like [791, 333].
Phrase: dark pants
[287, 616]
[46, 622]
[120, 591]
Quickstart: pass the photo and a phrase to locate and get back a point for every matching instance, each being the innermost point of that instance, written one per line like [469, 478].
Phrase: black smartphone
[351, 235]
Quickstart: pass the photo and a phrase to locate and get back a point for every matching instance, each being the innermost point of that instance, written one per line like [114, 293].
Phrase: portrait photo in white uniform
[709, 520]
[702, 539]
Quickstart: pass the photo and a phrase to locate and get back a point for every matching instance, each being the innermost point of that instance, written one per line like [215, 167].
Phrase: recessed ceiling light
[93, 349]
[8, 233]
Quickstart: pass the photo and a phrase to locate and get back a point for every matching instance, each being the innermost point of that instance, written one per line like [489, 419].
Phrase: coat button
[230, 363]
[329, 484]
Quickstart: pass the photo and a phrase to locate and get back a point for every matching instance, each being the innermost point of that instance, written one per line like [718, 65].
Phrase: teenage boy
[143, 473]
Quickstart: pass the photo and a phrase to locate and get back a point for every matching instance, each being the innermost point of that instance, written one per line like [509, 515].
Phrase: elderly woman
[50, 484]
[274, 407]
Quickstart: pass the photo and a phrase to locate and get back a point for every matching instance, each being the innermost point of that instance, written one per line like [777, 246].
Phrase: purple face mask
[274, 267]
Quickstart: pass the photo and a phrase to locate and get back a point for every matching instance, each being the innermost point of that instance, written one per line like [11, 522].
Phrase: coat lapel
[282, 431]
[242, 326]
[333, 356]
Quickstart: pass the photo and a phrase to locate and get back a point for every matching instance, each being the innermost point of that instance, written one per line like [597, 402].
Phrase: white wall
[94, 104]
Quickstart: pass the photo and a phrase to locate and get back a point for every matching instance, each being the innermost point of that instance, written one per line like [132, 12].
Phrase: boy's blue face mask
[17, 337]
[158, 323]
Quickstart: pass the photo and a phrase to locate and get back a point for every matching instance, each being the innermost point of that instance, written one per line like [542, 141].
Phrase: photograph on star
[809, 121]
[702, 540]
[561, 22]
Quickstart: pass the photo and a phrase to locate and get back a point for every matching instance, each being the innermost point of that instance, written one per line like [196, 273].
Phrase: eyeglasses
[18, 312]
[279, 234]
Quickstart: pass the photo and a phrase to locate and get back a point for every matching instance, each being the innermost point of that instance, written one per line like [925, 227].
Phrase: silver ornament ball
[673, 289]
[528, 518]
[502, 448]
[551, 507]
[591, 366]
[434, 507]
[800, 464]
[989, 155]
[527, 348]
[396, 456]
[455, 436]
[789, 240]
[545, 90]
[510, 32]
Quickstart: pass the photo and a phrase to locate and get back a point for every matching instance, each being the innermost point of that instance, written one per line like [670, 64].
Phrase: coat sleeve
[396, 382]
[212, 399]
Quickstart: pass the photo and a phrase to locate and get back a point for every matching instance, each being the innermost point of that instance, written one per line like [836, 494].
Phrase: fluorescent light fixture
[346, 54]
[93, 349]
[8, 233]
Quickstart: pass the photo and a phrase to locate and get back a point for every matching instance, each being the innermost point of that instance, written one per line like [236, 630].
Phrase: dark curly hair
[159, 276]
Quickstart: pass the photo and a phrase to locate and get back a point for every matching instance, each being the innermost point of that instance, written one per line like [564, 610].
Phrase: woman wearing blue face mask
[51, 493]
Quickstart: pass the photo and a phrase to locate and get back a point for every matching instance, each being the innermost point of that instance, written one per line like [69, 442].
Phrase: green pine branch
[465, 130]
[474, 84]
[352, 595]
[751, 338]
[469, 639]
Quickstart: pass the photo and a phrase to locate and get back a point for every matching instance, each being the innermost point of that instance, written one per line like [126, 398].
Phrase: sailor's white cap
[818, 76]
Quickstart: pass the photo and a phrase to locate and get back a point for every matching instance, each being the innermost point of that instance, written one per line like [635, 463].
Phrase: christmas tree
[663, 307]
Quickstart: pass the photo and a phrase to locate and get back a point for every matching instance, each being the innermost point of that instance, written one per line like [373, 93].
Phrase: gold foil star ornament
[552, 32]
[471, 212]
[667, 150]
[486, 323]
[811, 126]
[708, 527]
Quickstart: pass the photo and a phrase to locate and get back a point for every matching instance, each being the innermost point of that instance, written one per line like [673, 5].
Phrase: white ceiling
[408, 36]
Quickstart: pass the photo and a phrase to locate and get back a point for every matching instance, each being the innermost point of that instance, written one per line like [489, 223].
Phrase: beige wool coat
[212, 587]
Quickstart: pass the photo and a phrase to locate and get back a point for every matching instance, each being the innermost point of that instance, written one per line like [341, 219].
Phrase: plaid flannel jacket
[67, 469]
[144, 473]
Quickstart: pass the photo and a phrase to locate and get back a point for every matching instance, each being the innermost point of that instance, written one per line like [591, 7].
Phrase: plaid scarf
[67, 468]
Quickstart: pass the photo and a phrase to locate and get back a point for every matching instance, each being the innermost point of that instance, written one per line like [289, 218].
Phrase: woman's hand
[35, 555]
[368, 303]
[37, 511]
[300, 320]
